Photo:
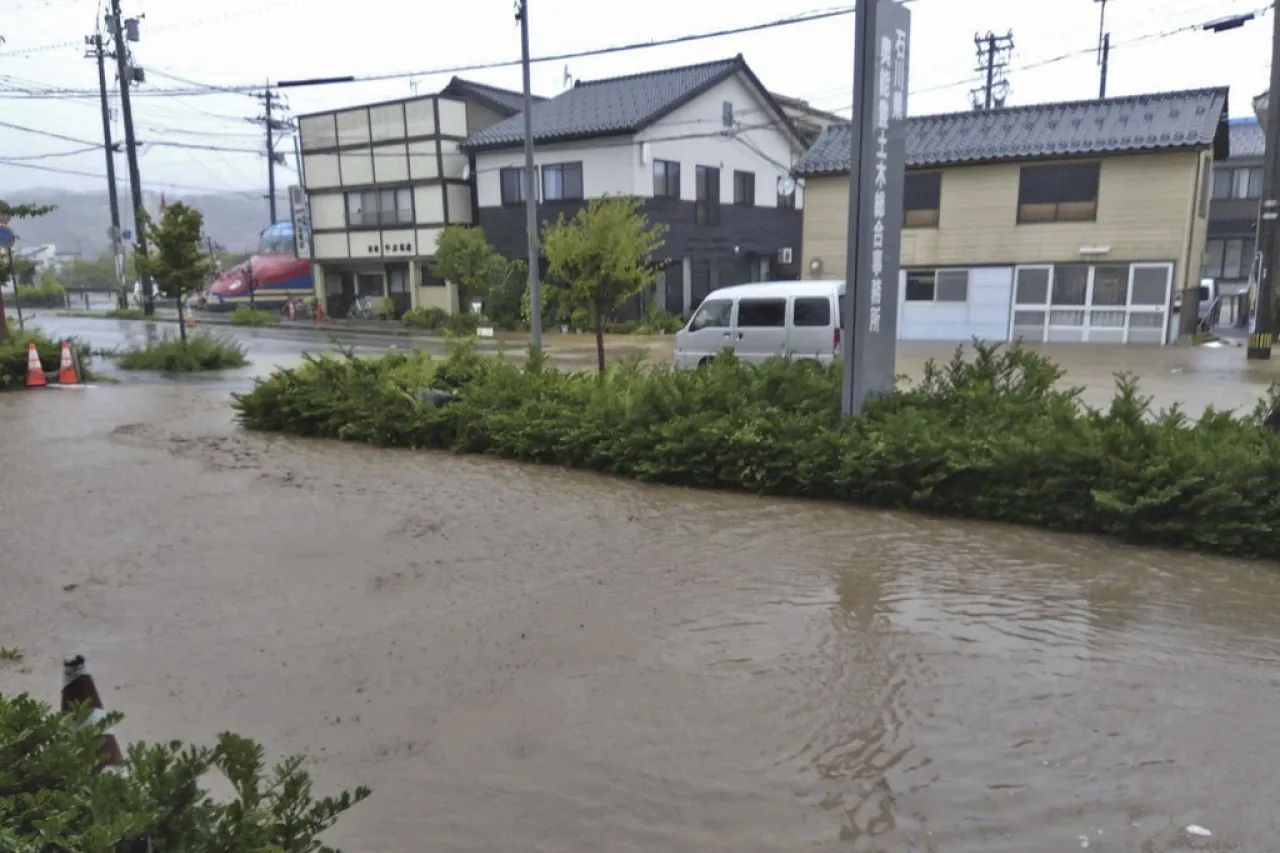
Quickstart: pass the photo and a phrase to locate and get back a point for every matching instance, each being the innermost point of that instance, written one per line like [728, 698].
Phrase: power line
[100, 176]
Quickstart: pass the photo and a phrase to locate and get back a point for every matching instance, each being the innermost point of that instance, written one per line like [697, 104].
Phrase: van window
[762, 313]
[714, 314]
[812, 311]
[1204, 293]
[840, 308]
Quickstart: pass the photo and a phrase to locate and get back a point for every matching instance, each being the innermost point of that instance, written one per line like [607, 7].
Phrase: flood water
[529, 659]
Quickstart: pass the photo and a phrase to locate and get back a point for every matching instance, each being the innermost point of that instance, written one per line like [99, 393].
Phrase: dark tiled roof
[1167, 120]
[614, 106]
[502, 100]
[1247, 139]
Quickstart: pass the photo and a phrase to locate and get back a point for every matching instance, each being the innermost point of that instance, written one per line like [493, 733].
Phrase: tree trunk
[4, 324]
[182, 322]
[599, 337]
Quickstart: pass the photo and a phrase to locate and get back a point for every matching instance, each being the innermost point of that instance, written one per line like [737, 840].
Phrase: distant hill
[80, 223]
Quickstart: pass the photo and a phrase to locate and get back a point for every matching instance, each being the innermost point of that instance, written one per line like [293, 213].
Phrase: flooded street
[529, 659]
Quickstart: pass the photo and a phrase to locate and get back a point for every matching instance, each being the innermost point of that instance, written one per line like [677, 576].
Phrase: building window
[921, 199]
[512, 181]
[371, 208]
[1228, 259]
[744, 188]
[937, 286]
[1244, 182]
[666, 179]
[706, 210]
[562, 182]
[1066, 192]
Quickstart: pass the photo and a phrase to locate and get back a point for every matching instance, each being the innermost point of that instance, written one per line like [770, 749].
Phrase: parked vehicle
[1209, 297]
[798, 319]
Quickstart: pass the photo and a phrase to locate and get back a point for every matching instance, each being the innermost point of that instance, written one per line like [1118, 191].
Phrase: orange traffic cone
[67, 374]
[78, 688]
[35, 373]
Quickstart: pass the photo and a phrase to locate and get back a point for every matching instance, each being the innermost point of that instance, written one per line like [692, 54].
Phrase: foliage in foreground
[245, 315]
[991, 437]
[198, 352]
[51, 800]
[13, 357]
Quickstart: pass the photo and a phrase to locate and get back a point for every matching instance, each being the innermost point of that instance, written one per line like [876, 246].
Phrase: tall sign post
[882, 44]
[300, 212]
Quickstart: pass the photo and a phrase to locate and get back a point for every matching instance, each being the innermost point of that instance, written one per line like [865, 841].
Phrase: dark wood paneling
[755, 231]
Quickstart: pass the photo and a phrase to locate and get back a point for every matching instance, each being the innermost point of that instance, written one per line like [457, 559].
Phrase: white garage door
[955, 304]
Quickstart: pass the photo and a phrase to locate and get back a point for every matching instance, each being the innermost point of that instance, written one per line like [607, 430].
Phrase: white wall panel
[318, 132]
[330, 245]
[423, 163]
[386, 122]
[459, 203]
[328, 210]
[428, 204]
[321, 170]
[420, 117]
[357, 167]
[353, 127]
[390, 163]
[453, 117]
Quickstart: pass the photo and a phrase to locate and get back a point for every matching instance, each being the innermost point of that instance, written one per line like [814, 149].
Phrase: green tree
[15, 211]
[602, 257]
[178, 262]
[466, 258]
[52, 799]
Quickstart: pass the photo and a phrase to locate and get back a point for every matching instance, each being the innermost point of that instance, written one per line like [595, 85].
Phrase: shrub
[661, 323]
[127, 313]
[245, 315]
[51, 798]
[462, 324]
[993, 437]
[13, 357]
[45, 295]
[201, 351]
[424, 318]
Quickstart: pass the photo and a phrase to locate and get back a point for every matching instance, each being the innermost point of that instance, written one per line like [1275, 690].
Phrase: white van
[799, 319]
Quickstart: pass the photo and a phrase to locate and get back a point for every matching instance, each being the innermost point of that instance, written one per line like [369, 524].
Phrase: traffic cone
[35, 373]
[67, 369]
[78, 688]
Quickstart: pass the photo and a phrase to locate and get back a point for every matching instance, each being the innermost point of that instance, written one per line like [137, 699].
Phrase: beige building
[382, 181]
[1056, 222]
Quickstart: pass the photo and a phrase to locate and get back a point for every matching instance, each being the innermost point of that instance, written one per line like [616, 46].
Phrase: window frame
[706, 206]
[1063, 190]
[1248, 250]
[503, 175]
[744, 188]
[670, 177]
[567, 172]
[914, 276]
[753, 300]
[825, 301]
[925, 217]
[374, 215]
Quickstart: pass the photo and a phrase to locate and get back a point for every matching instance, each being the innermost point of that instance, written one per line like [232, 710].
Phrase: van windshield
[1204, 293]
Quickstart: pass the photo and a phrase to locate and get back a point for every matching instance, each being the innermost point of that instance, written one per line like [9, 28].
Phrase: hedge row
[994, 436]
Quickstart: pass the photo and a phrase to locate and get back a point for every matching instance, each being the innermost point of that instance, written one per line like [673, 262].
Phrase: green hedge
[13, 357]
[994, 437]
[200, 351]
[247, 316]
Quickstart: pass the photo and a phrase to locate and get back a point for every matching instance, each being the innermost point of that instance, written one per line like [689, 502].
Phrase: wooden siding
[1146, 208]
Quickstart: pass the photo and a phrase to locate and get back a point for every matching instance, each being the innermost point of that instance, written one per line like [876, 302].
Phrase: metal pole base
[1260, 346]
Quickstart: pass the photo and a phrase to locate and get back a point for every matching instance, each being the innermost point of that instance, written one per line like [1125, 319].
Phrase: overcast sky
[242, 42]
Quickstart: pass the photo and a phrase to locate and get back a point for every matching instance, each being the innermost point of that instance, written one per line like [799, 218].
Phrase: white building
[382, 181]
[706, 146]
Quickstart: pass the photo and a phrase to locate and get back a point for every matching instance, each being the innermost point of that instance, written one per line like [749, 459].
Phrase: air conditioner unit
[785, 255]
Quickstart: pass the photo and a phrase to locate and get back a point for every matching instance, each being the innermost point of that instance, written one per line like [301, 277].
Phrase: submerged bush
[13, 356]
[995, 436]
[51, 798]
[127, 314]
[200, 351]
[245, 315]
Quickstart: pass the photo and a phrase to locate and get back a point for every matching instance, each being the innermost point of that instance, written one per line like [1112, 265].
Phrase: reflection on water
[521, 658]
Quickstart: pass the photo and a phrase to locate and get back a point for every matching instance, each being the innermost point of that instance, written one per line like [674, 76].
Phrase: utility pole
[1104, 48]
[994, 54]
[99, 52]
[530, 181]
[129, 75]
[271, 101]
[1262, 332]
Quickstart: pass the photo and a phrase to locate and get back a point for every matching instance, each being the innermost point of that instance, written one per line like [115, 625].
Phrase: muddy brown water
[522, 658]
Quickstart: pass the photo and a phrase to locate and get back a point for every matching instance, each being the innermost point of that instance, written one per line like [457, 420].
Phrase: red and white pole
[78, 688]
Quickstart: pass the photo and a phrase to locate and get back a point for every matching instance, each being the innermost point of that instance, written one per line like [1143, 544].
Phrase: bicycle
[361, 309]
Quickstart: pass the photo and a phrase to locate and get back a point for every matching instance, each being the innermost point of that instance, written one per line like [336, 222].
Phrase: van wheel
[704, 362]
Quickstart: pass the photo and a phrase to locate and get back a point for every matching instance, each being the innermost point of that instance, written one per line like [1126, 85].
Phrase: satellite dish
[786, 185]
[466, 171]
